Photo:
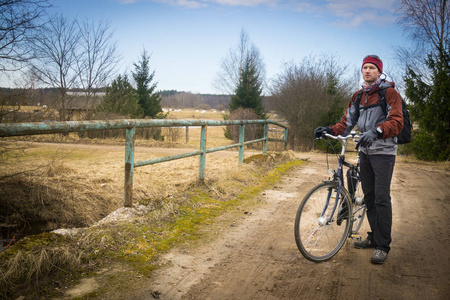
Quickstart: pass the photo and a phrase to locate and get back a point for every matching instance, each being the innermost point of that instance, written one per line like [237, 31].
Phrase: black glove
[366, 139]
[321, 130]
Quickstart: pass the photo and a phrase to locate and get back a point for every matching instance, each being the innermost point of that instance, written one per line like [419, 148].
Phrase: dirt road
[255, 256]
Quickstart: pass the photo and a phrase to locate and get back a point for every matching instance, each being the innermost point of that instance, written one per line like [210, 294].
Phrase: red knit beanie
[373, 59]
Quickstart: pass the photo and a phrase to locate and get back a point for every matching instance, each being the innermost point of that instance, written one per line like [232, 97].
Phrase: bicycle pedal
[355, 237]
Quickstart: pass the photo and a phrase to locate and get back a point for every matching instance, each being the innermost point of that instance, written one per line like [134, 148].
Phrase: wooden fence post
[241, 142]
[129, 167]
[201, 169]
[266, 138]
[286, 137]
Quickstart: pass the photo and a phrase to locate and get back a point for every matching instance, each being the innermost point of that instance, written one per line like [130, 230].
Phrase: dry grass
[60, 179]
[33, 260]
[75, 182]
[29, 109]
[70, 187]
[86, 184]
[173, 137]
[196, 114]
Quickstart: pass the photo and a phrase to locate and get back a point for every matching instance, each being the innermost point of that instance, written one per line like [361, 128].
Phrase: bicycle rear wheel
[318, 238]
[359, 209]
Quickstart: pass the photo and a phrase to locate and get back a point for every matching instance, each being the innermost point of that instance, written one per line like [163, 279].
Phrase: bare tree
[427, 23]
[56, 48]
[98, 57]
[227, 78]
[310, 94]
[70, 54]
[18, 21]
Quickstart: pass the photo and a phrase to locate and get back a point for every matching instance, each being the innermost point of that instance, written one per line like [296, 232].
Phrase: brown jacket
[391, 124]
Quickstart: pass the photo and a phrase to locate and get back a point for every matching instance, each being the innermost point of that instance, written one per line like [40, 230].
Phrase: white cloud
[127, 1]
[245, 2]
[304, 6]
[192, 4]
[203, 3]
[362, 16]
[189, 4]
[348, 13]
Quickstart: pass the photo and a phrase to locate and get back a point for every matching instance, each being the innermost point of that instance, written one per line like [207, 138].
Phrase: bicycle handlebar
[342, 139]
[352, 135]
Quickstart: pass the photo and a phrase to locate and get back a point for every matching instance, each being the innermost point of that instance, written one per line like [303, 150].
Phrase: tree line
[67, 53]
[315, 91]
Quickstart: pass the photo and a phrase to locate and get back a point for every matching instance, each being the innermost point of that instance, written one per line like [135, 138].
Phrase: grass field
[195, 114]
[77, 182]
[173, 137]
[215, 134]
[76, 170]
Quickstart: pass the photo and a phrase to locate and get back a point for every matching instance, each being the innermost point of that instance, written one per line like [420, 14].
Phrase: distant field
[185, 113]
[202, 114]
[195, 114]
[215, 134]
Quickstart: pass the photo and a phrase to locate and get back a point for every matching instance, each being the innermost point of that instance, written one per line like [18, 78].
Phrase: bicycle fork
[338, 180]
[323, 219]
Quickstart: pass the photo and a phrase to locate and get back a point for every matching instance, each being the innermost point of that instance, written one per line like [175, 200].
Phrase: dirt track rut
[255, 256]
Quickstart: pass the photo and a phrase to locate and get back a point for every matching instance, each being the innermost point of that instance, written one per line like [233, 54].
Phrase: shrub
[252, 131]
[204, 106]
[425, 147]
[221, 107]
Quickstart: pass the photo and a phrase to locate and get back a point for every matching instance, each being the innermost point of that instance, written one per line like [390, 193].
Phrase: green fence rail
[20, 129]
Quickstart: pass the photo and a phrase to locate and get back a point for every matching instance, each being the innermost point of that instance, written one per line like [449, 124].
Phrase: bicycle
[322, 224]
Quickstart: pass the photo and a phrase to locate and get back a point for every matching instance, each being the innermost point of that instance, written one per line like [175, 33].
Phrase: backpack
[404, 136]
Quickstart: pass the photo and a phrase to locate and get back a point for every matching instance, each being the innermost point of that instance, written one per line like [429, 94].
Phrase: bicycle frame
[338, 175]
[321, 226]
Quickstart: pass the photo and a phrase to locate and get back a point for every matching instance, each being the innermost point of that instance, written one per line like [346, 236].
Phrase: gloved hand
[320, 130]
[366, 139]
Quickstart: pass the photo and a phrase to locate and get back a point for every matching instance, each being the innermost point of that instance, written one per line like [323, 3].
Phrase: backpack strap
[382, 101]
[355, 116]
[358, 99]
[383, 104]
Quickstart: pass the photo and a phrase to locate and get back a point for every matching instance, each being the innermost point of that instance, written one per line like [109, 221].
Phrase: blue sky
[189, 39]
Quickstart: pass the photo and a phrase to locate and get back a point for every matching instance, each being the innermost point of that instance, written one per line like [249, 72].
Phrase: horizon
[188, 40]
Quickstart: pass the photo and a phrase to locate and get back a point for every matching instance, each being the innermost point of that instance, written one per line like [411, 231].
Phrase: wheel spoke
[318, 241]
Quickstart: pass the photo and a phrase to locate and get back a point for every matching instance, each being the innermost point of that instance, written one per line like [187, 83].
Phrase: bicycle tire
[318, 242]
[359, 210]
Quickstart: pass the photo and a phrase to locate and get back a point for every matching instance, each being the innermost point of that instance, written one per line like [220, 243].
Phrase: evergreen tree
[149, 100]
[248, 91]
[337, 101]
[120, 98]
[430, 108]
[332, 113]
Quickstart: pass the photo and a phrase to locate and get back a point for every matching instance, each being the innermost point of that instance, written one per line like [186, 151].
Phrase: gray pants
[376, 176]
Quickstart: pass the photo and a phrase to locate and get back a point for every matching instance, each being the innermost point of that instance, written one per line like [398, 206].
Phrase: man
[378, 148]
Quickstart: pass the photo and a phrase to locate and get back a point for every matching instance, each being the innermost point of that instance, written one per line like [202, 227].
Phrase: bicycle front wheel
[319, 233]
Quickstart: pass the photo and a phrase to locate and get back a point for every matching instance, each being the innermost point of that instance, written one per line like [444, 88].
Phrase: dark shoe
[364, 244]
[378, 257]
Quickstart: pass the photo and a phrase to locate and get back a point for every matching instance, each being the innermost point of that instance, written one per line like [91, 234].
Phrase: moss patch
[138, 242]
[201, 208]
